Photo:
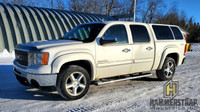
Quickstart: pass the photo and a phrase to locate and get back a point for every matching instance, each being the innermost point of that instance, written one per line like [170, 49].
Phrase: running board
[121, 79]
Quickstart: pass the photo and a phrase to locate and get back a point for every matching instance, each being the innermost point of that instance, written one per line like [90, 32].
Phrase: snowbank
[6, 58]
[196, 46]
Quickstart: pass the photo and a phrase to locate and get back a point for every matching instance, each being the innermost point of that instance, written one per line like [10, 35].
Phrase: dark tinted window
[139, 33]
[162, 32]
[177, 33]
[118, 31]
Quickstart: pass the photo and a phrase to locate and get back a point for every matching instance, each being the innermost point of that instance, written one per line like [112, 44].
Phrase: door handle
[126, 50]
[149, 48]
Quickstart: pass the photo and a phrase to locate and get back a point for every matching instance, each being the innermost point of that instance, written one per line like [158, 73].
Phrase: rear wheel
[73, 82]
[168, 70]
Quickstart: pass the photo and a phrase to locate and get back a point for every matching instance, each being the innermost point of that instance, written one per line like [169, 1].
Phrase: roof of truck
[107, 22]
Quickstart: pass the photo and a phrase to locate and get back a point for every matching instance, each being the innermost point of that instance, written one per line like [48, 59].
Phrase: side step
[122, 79]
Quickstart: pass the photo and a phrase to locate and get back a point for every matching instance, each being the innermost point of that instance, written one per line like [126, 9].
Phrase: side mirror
[108, 40]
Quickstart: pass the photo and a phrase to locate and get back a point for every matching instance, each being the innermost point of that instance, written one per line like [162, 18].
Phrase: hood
[47, 44]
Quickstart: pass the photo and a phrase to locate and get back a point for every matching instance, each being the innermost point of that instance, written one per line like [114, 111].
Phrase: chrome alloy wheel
[75, 83]
[169, 69]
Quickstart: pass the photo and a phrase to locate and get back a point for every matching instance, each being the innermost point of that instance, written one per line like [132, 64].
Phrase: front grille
[21, 57]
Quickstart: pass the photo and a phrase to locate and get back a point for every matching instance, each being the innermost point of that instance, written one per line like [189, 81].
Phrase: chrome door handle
[126, 50]
[149, 48]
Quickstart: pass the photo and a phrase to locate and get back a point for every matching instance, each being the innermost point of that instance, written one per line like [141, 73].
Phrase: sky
[190, 7]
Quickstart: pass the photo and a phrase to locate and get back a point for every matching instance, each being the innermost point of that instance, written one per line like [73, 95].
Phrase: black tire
[65, 78]
[167, 73]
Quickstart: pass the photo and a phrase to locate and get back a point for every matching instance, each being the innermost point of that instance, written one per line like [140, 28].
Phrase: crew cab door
[115, 58]
[142, 48]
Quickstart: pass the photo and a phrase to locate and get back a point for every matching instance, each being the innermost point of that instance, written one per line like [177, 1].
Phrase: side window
[162, 32]
[139, 33]
[118, 31]
[177, 33]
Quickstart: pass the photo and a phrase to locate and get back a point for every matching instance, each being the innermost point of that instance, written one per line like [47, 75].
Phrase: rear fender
[165, 53]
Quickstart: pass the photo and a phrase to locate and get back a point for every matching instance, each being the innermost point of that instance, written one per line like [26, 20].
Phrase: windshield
[85, 32]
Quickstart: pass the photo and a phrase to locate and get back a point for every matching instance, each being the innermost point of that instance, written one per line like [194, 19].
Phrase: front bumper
[36, 79]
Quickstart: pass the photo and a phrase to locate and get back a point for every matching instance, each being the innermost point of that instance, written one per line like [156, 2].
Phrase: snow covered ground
[131, 95]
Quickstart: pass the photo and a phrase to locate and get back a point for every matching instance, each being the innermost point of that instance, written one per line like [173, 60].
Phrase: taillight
[185, 35]
[185, 49]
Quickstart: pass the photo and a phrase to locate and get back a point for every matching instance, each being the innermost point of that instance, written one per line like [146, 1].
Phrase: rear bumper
[35, 79]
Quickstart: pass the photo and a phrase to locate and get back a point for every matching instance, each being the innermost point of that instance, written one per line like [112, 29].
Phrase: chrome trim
[149, 48]
[142, 60]
[123, 79]
[126, 50]
[107, 64]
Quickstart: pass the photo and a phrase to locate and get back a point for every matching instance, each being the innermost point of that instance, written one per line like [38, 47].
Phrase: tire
[168, 70]
[73, 82]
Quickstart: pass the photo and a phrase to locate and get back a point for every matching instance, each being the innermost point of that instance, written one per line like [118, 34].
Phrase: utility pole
[134, 10]
[52, 4]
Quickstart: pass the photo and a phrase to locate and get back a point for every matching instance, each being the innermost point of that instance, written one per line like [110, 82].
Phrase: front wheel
[168, 70]
[73, 82]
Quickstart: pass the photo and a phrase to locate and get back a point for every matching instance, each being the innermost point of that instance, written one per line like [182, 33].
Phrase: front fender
[61, 60]
[165, 53]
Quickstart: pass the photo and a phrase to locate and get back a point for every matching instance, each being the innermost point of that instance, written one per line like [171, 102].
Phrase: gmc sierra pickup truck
[100, 50]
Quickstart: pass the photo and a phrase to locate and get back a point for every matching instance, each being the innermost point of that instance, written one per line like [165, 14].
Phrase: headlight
[38, 58]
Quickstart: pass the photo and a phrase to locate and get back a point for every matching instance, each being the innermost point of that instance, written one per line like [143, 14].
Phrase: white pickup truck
[95, 51]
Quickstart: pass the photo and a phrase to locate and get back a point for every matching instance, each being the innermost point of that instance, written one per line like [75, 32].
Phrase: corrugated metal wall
[21, 24]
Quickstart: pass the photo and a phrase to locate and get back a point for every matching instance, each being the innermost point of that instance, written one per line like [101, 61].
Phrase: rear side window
[139, 33]
[162, 32]
[177, 33]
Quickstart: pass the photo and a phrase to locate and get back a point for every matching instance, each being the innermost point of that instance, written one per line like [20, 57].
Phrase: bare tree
[127, 7]
[93, 6]
[19, 2]
[76, 5]
[60, 4]
[110, 6]
[154, 7]
[4, 1]
[34, 3]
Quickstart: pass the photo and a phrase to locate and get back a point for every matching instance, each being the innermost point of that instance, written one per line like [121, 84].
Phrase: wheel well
[174, 56]
[83, 63]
